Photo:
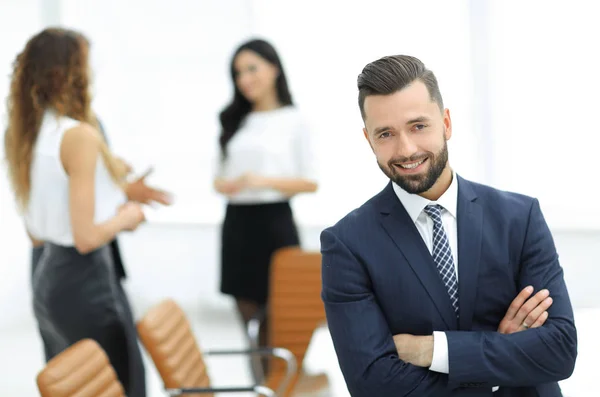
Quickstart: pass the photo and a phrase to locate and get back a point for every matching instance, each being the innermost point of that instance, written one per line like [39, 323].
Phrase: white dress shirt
[414, 205]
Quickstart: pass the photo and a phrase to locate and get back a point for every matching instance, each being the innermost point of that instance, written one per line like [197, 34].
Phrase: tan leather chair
[295, 311]
[166, 334]
[81, 370]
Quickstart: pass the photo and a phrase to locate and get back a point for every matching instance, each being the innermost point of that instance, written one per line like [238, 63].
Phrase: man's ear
[447, 124]
[366, 134]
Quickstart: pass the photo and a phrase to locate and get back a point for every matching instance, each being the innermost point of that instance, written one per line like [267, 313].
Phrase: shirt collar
[415, 204]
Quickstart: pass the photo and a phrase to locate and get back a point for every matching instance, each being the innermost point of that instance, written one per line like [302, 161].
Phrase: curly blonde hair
[52, 72]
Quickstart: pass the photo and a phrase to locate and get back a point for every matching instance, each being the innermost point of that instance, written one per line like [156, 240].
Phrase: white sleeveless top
[48, 216]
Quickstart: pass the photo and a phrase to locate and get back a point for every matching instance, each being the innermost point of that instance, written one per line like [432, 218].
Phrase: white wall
[161, 77]
[325, 45]
[543, 70]
[19, 19]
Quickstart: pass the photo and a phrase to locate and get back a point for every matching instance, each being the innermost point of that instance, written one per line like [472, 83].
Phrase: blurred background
[520, 78]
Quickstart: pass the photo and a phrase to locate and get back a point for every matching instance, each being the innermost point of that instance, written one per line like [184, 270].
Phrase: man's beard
[418, 183]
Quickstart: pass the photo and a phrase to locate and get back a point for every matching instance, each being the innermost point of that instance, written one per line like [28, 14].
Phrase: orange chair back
[167, 335]
[81, 370]
[295, 307]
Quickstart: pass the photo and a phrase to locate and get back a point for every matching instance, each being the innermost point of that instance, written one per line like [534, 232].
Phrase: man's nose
[406, 147]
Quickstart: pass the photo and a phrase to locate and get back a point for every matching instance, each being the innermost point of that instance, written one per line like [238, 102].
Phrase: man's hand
[522, 315]
[142, 193]
[416, 350]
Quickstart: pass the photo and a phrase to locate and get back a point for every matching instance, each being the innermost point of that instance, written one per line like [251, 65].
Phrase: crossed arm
[369, 358]
[525, 312]
[361, 337]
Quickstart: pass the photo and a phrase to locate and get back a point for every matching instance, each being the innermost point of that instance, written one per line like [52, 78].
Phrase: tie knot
[434, 212]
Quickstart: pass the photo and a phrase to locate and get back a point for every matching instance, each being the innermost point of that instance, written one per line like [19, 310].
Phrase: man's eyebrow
[420, 119]
[381, 129]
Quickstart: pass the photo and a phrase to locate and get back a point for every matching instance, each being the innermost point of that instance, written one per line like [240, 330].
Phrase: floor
[21, 356]
[21, 359]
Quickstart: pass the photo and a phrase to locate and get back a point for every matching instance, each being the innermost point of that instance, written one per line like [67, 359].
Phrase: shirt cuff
[439, 362]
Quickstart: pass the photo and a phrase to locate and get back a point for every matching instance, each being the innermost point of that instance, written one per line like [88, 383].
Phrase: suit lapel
[400, 227]
[470, 223]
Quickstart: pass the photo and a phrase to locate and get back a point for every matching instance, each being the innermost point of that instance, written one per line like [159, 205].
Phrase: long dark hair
[232, 116]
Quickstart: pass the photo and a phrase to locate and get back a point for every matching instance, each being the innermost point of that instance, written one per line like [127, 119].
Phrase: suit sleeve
[361, 336]
[532, 357]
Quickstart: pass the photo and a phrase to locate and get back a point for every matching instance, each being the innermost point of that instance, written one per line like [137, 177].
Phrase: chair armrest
[261, 390]
[279, 352]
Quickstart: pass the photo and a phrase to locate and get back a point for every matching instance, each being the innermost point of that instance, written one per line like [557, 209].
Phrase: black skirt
[36, 253]
[79, 296]
[251, 233]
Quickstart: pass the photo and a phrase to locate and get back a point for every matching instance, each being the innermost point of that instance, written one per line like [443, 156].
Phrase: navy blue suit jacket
[379, 279]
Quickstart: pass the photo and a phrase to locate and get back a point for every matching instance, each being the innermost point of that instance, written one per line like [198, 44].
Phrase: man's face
[408, 134]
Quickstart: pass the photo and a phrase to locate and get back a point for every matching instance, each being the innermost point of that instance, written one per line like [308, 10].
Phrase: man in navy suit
[418, 282]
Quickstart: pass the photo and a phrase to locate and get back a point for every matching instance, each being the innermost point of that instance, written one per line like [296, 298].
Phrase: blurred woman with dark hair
[266, 159]
[71, 190]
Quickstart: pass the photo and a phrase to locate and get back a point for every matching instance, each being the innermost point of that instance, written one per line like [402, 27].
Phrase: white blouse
[48, 217]
[275, 143]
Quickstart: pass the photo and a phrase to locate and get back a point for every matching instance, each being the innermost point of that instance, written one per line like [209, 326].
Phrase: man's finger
[531, 304]
[540, 320]
[517, 303]
[537, 312]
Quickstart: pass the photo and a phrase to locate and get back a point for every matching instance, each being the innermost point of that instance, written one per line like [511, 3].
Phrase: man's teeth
[413, 165]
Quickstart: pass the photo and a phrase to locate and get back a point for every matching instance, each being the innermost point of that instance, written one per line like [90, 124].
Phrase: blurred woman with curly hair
[69, 188]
